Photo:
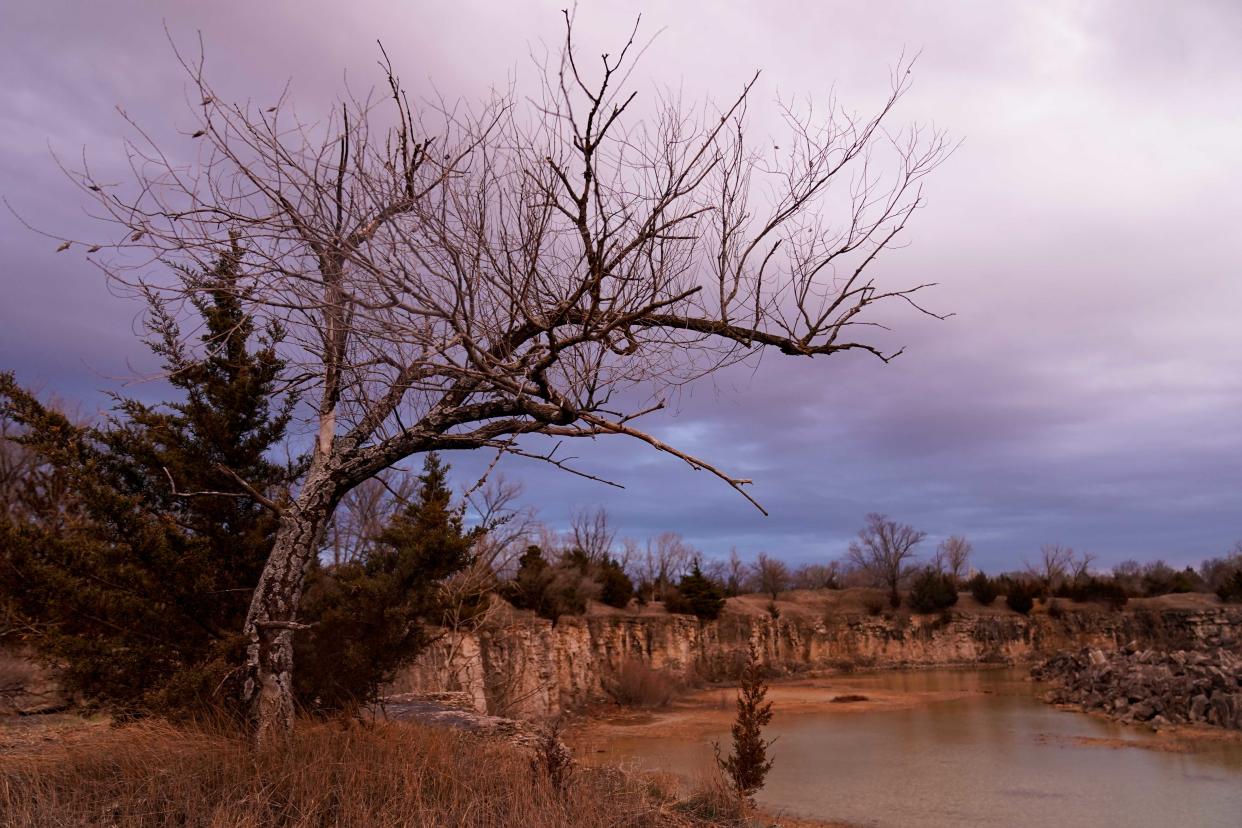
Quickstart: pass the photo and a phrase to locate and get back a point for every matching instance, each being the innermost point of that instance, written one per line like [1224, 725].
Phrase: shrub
[1161, 579]
[748, 764]
[696, 595]
[932, 591]
[615, 587]
[551, 591]
[1231, 589]
[638, 684]
[983, 589]
[1020, 596]
[367, 615]
[137, 593]
[1108, 590]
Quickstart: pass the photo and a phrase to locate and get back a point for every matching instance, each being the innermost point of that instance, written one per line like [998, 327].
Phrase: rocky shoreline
[1158, 687]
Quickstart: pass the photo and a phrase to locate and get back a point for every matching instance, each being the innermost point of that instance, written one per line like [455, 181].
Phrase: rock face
[1150, 685]
[532, 668]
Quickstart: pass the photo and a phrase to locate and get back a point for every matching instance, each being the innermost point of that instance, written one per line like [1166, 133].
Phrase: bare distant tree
[1129, 575]
[664, 560]
[771, 575]
[467, 595]
[736, 573]
[455, 276]
[817, 576]
[591, 532]
[884, 550]
[953, 557]
[1053, 565]
[364, 512]
[1080, 565]
[630, 557]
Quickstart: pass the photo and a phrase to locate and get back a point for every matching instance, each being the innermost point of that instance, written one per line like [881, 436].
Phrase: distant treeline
[130, 547]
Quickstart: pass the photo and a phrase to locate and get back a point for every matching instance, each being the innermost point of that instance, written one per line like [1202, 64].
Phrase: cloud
[1085, 392]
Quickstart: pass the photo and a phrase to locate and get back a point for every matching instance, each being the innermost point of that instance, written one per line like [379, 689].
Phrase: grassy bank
[332, 774]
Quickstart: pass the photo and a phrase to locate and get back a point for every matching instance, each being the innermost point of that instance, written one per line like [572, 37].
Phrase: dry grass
[637, 684]
[386, 774]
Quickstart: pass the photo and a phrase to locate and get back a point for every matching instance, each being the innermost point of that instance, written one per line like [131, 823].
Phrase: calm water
[1000, 757]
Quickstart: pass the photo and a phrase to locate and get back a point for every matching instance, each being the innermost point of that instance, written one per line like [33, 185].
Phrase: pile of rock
[1154, 686]
[456, 711]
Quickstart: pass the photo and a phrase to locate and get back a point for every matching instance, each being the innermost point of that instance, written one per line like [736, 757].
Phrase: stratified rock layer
[528, 667]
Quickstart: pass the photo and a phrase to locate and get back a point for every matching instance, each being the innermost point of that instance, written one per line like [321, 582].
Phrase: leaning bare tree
[455, 276]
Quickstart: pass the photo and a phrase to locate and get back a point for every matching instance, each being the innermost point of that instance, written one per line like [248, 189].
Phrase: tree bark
[272, 620]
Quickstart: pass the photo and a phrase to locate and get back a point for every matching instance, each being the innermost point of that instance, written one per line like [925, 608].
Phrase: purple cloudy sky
[1088, 390]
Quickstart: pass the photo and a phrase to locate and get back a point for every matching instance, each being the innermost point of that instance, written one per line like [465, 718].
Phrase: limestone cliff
[530, 667]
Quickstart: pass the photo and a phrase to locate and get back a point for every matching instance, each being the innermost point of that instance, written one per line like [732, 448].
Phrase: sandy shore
[710, 710]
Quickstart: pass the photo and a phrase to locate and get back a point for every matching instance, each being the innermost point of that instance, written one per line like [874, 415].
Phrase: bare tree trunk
[272, 620]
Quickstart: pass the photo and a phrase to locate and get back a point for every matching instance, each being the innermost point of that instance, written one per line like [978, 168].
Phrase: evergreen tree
[697, 595]
[530, 586]
[615, 587]
[748, 765]
[367, 617]
[140, 577]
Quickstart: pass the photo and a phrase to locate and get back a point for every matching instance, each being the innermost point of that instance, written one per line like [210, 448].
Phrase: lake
[950, 748]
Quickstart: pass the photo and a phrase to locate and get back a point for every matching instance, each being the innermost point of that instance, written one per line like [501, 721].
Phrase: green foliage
[983, 589]
[932, 591]
[1020, 596]
[615, 587]
[1106, 590]
[696, 595]
[139, 575]
[531, 586]
[748, 765]
[1161, 579]
[552, 590]
[367, 617]
[1231, 589]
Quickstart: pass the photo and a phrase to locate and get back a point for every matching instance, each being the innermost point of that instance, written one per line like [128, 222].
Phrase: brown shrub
[637, 684]
[340, 774]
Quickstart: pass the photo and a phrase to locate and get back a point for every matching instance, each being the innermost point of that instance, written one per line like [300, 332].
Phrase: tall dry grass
[332, 774]
[637, 684]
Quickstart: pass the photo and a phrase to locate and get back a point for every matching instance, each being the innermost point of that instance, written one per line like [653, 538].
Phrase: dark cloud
[1086, 391]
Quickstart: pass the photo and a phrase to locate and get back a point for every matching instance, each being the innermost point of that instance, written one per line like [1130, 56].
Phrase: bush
[932, 591]
[136, 594]
[873, 603]
[1108, 590]
[638, 684]
[367, 616]
[1231, 589]
[696, 595]
[983, 589]
[748, 764]
[1020, 596]
[1161, 579]
[615, 587]
[551, 591]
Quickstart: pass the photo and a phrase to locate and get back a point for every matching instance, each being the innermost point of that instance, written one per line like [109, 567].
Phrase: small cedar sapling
[748, 765]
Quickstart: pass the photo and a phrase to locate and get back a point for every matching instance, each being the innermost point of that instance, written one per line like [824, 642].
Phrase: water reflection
[997, 756]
